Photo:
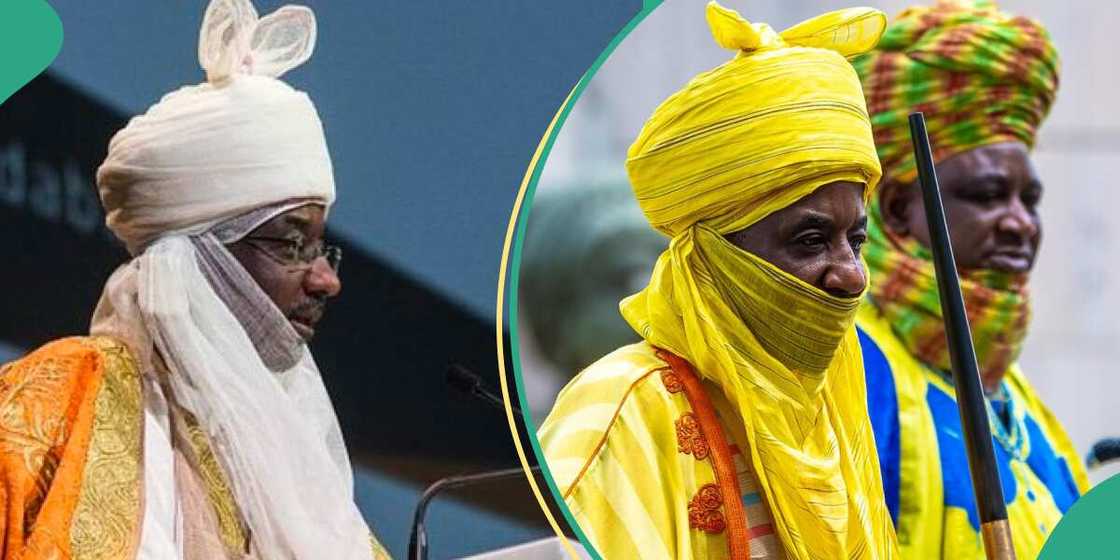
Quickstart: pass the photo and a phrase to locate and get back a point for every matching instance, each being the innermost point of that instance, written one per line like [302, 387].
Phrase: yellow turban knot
[770, 126]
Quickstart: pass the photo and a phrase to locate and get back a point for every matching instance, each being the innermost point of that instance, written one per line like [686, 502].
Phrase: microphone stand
[469, 382]
[418, 540]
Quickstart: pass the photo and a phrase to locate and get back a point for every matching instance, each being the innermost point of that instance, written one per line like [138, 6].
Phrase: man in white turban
[193, 423]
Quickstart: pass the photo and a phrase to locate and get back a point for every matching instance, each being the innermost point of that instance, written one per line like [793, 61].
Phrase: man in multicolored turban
[193, 422]
[984, 80]
[738, 427]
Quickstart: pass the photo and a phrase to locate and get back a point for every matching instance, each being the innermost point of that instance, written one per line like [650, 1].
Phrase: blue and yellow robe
[922, 457]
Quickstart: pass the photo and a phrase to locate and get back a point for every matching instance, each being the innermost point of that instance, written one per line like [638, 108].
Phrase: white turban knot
[242, 140]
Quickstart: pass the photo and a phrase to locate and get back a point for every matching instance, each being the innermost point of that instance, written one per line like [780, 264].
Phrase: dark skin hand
[991, 196]
[300, 292]
[817, 239]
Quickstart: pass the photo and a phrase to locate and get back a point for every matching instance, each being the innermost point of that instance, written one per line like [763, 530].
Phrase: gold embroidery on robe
[53, 406]
[232, 530]
[30, 429]
[106, 522]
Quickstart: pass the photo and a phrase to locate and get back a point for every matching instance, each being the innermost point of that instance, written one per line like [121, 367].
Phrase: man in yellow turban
[738, 427]
[985, 80]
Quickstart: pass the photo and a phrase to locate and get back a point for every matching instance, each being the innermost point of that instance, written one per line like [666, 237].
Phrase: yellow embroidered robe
[641, 464]
[925, 468]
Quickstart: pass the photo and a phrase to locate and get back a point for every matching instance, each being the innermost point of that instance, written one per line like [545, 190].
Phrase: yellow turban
[781, 119]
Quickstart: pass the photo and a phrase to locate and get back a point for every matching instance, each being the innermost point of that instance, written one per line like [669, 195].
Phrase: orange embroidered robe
[71, 461]
[71, 432]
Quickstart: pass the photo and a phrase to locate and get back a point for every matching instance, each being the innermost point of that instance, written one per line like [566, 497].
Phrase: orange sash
[738, 536]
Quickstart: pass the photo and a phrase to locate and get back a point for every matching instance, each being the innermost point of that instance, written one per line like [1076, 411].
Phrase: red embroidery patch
[703, 510]
[690, 439]
[671, 381]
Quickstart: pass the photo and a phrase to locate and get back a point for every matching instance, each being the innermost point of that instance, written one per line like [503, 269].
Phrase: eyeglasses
[295, 253]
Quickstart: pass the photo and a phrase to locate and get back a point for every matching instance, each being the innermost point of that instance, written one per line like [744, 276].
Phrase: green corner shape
[1086, 530]
[30, 38]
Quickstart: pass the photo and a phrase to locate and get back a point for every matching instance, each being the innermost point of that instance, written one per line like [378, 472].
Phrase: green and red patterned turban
[980, 76]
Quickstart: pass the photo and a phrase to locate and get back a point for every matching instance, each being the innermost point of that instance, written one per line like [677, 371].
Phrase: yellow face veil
[783, 118]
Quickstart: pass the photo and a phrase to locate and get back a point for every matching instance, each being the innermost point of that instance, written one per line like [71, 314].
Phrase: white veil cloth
[204, 154]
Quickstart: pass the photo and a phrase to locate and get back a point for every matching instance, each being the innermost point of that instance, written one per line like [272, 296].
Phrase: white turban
[197, 159]
[212, 151]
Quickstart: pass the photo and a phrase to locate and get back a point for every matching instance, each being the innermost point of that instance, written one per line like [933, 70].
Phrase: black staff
[994, 528]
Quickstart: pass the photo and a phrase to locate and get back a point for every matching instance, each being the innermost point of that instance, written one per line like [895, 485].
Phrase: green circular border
[515, 263]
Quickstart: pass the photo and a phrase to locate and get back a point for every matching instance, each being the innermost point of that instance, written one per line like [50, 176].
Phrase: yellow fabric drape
[783, 118]
[760, 335]
[611, 447]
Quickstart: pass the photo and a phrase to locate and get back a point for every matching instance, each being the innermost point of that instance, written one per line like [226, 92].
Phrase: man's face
[991, 199]
[817, 239]
[299, 290]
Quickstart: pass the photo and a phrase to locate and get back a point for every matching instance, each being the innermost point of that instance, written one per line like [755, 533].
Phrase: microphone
[1104, 451]
[418, 541]
[467, 381]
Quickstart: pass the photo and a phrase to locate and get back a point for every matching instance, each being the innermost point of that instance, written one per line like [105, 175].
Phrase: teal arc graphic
[1085, 531]
[30, 39]
[515, 263]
